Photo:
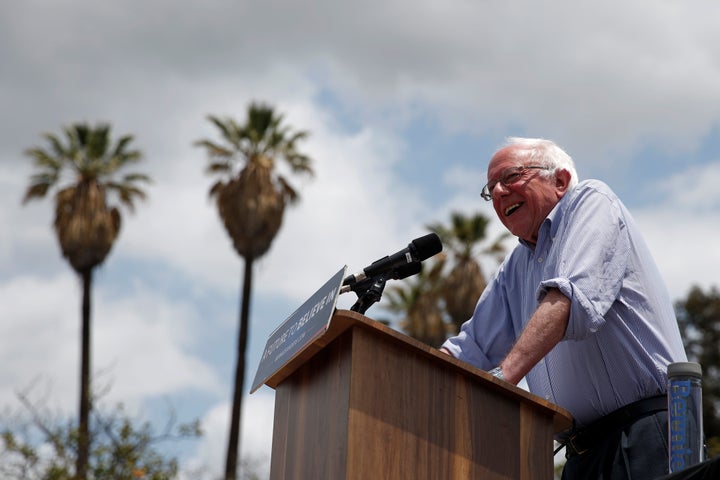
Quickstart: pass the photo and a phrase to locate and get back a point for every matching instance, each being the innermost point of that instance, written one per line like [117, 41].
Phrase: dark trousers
[637, 452]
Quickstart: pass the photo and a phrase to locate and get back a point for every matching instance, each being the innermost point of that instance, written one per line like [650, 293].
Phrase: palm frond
[88, 153]
[120, 146]
[136, 177]
[57, 147]
[214, 150]
[36, 190]
[229, 130]
[97, 143]
[43, 159]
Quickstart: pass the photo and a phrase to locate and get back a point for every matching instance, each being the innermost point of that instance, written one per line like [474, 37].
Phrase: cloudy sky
[405, 102]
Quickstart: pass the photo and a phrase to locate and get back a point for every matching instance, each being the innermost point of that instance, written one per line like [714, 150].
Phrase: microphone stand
[369, 291]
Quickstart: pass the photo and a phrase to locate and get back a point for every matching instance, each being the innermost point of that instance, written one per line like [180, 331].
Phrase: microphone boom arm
[369, 291]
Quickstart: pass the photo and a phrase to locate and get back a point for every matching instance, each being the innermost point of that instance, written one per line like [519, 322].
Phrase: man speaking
[580, 310]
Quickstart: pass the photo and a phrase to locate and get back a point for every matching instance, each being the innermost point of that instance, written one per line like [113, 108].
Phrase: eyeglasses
[508, 177]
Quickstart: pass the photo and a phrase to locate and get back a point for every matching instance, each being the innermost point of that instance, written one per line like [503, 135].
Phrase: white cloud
[140, 343]
[683, 247]
[350, 213]
[682, 228]
[561, 70]
[691, 192]
[145, 341]
[38, 341]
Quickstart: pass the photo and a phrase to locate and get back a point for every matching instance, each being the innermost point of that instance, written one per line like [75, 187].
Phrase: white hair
[543, 152]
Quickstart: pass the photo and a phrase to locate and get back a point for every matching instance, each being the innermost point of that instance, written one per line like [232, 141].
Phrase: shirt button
[540, 259]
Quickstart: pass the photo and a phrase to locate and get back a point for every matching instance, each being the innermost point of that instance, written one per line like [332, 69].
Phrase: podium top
[345, 320]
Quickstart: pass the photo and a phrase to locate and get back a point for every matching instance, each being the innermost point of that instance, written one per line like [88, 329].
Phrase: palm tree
[418, 299]
[465, 282]
[436, 304]
[85, 225]
[251, 197]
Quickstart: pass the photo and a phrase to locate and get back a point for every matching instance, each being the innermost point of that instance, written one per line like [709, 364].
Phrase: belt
[586, 438]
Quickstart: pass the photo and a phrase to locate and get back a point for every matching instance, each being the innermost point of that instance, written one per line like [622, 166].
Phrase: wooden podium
[366, 402]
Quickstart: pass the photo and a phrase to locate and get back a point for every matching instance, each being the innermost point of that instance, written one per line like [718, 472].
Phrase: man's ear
[562, 181]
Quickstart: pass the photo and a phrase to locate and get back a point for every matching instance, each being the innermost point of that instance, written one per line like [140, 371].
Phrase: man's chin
[512, 228]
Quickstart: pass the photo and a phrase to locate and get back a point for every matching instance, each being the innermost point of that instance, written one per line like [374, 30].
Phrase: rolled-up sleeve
[592, 260]
[487, 337]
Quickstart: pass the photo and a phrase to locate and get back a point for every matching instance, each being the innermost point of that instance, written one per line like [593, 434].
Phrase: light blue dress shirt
[622, 331]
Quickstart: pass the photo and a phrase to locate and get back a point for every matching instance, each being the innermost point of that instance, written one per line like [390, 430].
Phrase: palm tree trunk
[83, 455]
[234, 440]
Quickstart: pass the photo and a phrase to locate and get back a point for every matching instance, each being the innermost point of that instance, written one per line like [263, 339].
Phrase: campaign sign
[299, 330]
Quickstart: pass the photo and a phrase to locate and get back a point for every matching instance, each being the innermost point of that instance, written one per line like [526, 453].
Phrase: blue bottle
[685, 422]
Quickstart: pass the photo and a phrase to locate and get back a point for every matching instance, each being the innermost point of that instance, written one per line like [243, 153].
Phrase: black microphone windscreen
[427, 246]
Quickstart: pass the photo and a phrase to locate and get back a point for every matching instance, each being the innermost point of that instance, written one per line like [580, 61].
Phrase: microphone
[418, 250]
[398, 273]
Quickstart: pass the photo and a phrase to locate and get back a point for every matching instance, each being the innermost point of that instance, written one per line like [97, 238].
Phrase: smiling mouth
[512, 209]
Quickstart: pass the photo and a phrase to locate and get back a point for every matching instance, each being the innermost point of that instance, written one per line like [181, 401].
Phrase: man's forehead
[503, 158]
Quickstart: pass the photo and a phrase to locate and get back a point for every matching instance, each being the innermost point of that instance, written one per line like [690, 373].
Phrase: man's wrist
[497, 372]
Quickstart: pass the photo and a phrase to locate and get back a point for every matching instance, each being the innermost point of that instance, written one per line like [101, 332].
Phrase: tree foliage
[435, 303]
[699, 319]
[461, 287]
[417, 301]
[83, 168]
[34, 446]
[250, 191]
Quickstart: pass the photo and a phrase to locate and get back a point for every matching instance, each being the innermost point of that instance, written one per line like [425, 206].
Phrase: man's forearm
[544, 330]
